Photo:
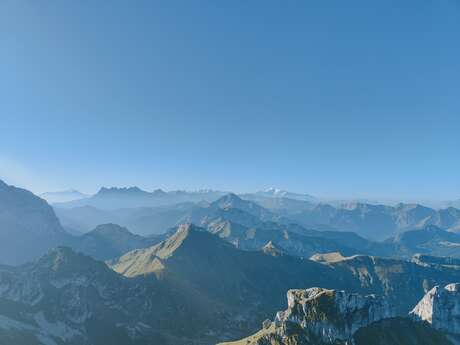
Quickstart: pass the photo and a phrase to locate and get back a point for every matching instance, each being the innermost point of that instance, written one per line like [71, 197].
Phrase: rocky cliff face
[319, 316]
[441, 308]
[28, 226]
[330, 315]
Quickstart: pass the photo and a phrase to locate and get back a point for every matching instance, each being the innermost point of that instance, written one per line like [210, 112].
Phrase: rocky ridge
[330, 315]
[318, 316]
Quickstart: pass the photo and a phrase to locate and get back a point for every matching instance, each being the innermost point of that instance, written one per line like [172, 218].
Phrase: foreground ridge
[323, 316]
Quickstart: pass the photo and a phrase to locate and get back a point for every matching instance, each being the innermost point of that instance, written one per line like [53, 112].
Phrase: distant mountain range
[376, 222]
[124, 197]
[63, 196]
[148, 220]
[115, 198]
[152, 212]
[29, 228]
[244, 223]
[278, 193]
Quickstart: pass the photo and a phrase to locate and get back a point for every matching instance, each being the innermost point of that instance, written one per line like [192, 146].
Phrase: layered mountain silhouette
[33, 228]
[219, 279]
[63, 196]
[378, 222]
[108, 241]
[29, 228]
[132, 197]
[147, 212]
[430, 240]
[194, 253]
[282, 194]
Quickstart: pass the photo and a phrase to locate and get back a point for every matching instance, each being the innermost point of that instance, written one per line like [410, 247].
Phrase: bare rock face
[441, 308]
[330, 316]
[271, 249]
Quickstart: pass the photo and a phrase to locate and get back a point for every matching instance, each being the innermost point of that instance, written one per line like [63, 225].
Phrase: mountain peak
[187, 238]
[121, 190]
[440, 307]
[109, 228]
[129, 191]
[183, 232]
[279, 193]
[276, 192]
[230, 197]
[339, 312]
[159, 191]
[273, 190]
[63, 259]
[63, 196]
[3, 184]
[230, 200]
[271, 249]
[186, 231]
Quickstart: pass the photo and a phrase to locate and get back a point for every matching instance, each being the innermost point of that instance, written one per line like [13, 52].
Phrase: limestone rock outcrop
[330, 315]
[441, 308]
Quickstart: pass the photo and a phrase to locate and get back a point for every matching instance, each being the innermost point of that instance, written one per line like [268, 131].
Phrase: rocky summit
[323, 316]
[318, 316]
[440, 307]
[330, 315]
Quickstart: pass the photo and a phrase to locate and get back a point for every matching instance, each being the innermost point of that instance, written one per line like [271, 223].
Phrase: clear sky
[333, 98]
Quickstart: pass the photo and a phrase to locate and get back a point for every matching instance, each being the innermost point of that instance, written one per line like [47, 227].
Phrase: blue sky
[344, 99]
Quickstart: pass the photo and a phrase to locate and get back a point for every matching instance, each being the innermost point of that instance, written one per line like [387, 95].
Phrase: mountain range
[191, 288]
[378, 222]
[131, 197]
[149, 212]
[109, 241]
[29, 228]
[250, 226]
[244, 223]
[220, 279]
[63, 196]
